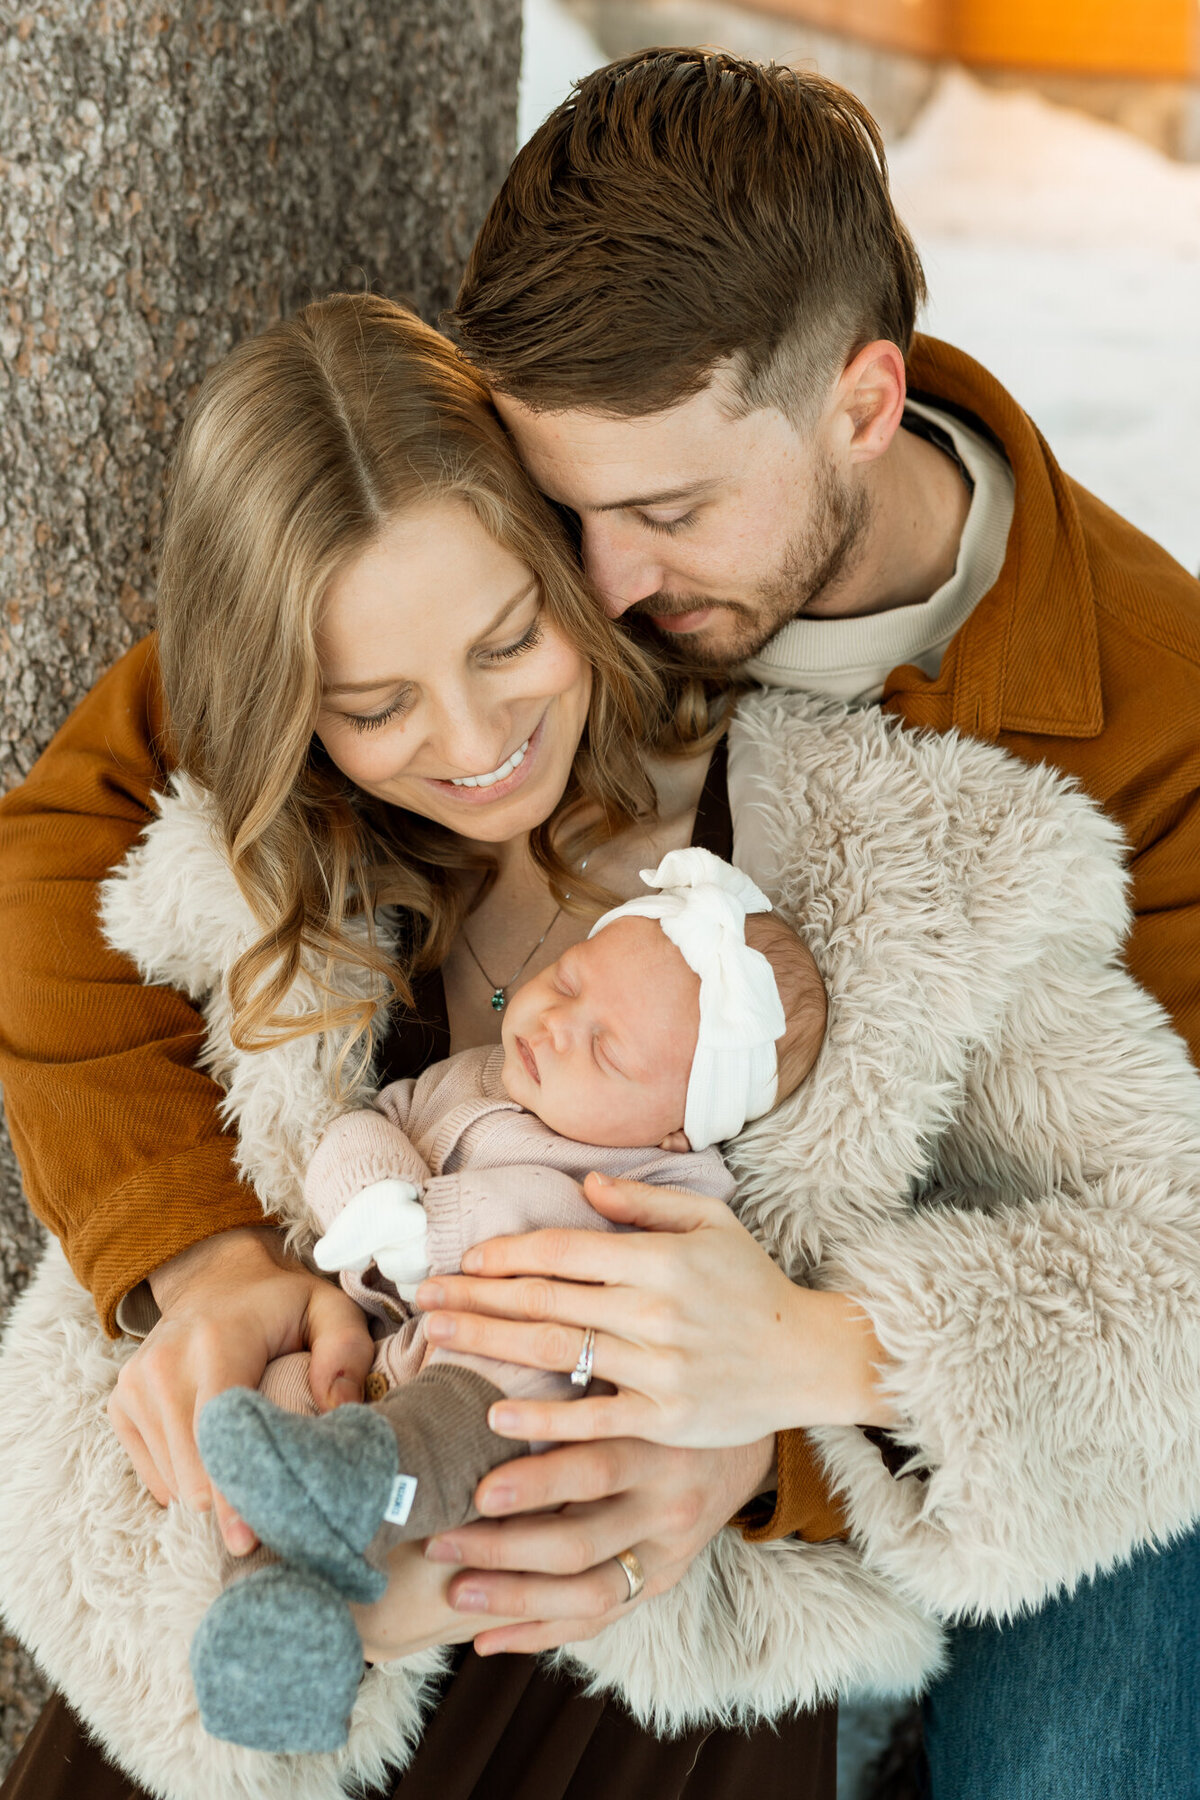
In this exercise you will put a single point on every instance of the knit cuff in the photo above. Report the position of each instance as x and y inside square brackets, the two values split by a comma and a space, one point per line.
[805, 1503]
[358, 1149]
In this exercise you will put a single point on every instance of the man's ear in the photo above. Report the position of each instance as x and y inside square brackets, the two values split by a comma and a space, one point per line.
[869, 400]
[675, 1140]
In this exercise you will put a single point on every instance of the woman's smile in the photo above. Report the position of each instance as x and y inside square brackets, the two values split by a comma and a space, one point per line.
[482, 790]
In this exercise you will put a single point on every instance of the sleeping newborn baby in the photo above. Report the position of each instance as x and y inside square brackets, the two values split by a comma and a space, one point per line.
[686, 1014]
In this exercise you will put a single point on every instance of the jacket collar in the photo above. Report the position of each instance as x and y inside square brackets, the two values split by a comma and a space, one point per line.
[1027, 660]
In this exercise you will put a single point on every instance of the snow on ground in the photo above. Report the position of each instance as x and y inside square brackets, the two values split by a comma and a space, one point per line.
[1065, 255]
[555, 51]
[1006, 164]
[1061, 252]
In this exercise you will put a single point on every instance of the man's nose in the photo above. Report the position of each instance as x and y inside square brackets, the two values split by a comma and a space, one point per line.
[621, 569]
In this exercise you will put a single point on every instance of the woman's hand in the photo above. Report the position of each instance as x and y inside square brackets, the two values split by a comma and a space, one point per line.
[229, 1306]
[554, 1571]
[703, 1336]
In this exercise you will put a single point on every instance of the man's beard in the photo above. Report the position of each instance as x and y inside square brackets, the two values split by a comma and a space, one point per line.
[833, 541]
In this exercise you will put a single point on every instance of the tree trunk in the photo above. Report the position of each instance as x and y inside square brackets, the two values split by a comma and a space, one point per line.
[173, 176]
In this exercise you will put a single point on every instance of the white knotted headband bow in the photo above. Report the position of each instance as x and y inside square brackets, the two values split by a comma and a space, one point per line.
[702, 908]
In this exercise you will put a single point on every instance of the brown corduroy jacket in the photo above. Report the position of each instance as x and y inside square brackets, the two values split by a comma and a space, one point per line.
[1085, 654]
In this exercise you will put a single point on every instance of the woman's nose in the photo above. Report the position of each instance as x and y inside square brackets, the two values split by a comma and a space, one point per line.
[470, 745]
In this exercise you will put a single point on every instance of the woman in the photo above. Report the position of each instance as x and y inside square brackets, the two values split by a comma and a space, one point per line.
[969, 913]
[476, 763]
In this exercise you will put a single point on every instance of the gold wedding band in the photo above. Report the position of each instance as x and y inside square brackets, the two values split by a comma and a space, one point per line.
[581, 1374]
[635, 1575]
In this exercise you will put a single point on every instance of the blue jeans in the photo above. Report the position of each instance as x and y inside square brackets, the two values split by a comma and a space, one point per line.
[1095, 1697]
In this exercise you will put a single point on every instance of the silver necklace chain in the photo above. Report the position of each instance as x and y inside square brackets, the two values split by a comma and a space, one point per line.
[500, 988]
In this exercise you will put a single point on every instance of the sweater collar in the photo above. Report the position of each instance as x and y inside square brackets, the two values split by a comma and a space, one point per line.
[1027, 660]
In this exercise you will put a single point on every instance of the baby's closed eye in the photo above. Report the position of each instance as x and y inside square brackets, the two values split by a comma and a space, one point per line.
[605, 1060]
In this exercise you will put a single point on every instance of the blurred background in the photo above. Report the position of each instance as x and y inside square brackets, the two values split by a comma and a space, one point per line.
[1045, 155]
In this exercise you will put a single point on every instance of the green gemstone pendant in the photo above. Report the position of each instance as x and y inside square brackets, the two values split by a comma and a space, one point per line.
[498, 1000]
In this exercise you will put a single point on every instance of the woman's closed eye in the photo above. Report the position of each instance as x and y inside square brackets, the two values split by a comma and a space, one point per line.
[528, 641]
[395, 709]
[403, 703]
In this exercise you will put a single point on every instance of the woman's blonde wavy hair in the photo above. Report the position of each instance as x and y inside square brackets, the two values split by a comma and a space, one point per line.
[301, 445]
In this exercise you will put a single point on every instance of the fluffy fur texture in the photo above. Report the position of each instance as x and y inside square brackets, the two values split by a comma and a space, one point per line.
[998, 1150]
[175, 909]
[107, 1589]
[998, 1153]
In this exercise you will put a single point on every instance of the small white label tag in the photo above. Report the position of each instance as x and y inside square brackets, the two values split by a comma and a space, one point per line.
[404, 1492]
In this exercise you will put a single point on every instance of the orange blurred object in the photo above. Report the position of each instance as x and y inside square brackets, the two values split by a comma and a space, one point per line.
[1153, 38]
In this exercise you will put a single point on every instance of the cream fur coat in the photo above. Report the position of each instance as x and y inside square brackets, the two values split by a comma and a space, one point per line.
[998, 1152]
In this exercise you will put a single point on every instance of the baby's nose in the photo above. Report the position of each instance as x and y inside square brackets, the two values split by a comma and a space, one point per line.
[556, 1025]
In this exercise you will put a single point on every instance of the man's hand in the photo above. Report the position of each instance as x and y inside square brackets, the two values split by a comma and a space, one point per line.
[556, 1568]
[229, 1306]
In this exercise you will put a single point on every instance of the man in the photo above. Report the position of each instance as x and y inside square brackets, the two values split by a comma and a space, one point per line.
[695, 305]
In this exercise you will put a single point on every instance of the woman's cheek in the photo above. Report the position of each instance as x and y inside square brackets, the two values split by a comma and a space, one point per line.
[369, 759]
[562, 670]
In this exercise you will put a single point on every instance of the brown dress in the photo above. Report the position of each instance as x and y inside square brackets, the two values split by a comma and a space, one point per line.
[507, 1728]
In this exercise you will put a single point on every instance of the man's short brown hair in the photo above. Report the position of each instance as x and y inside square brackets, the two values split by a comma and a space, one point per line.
[680, 208]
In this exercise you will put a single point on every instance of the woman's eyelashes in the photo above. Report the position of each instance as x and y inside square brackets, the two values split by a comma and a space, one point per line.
[531, 638]
[372, 721]
[403, 701]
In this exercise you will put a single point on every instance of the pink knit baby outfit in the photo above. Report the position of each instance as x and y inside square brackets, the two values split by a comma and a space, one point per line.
[486, 1168]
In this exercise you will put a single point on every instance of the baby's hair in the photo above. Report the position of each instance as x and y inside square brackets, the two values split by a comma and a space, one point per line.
[800, 989]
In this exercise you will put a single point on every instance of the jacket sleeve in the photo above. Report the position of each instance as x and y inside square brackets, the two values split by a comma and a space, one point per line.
[357, 1150]
[1042, 1316]
[116, 1131]
[805, 1503]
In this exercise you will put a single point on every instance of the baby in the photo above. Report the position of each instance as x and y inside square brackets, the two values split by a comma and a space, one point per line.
[685, 1014]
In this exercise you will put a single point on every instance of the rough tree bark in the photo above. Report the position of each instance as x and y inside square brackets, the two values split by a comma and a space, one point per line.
[173, 175]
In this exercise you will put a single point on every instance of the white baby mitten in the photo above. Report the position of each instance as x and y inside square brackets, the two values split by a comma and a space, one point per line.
[386, 1225]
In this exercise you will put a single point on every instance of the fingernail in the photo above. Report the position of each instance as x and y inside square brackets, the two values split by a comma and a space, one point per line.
[239, 1537]
[470, 1599]
[343, 1391]
[443, 1550]
[430, 1295]
[497, 1499]
[472, 1261]
[601, 1180]
[503, 1418]
[441, 1328]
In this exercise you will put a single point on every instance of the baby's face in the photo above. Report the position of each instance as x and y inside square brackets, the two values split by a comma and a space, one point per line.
[600, 1044]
